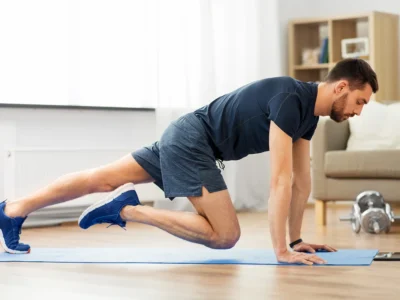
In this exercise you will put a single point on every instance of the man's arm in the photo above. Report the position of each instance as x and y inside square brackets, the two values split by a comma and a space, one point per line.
[280, 187]
[301, 187]
[284, 112]
[279, 202]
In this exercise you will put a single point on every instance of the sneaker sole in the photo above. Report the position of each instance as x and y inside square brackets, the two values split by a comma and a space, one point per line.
[3, 243]
[122, 189]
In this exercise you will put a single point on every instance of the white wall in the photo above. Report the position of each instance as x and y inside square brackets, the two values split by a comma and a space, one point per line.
[331, 8]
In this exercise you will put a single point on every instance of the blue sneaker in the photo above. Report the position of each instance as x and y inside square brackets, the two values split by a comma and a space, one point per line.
[10, 229]
[108, 210]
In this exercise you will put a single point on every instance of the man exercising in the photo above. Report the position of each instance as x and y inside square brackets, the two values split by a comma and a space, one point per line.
[275, 114]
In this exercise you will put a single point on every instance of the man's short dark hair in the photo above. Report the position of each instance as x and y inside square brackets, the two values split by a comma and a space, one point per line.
[356, 71]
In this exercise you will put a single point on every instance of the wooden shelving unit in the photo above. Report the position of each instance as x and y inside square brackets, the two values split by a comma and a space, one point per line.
[381, 29]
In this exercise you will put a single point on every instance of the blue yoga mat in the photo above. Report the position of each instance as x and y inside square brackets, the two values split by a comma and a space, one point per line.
[345, 257]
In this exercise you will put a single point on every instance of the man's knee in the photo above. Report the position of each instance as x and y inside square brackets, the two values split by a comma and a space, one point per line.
[225, 240]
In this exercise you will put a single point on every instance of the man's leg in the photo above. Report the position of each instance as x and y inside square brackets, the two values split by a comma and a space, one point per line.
[71, 186]
[215, 226]
[102, 179]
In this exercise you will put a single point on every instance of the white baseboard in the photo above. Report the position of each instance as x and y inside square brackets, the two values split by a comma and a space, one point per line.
[51, 216]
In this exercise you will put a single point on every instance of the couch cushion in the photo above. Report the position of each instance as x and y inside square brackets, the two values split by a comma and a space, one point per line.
[381, 164]
[376, 127]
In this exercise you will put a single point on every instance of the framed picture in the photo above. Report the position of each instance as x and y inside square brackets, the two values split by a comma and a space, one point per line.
[355, 47]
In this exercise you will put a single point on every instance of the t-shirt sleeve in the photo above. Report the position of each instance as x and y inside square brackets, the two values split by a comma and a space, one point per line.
[309, 134]
[284, 110]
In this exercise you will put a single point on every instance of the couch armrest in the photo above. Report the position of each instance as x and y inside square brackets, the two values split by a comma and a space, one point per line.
[328, 136]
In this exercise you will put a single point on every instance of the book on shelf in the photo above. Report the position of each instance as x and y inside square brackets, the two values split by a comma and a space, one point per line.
[324, 56]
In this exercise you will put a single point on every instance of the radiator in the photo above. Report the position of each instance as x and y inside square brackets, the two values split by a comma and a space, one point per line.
[28, 169]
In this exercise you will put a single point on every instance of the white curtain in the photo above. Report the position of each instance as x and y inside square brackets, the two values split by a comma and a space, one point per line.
[206, 49]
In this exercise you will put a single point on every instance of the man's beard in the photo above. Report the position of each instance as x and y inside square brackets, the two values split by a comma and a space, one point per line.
[337, 112]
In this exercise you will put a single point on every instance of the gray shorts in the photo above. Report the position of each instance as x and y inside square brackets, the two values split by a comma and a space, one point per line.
[183, 160]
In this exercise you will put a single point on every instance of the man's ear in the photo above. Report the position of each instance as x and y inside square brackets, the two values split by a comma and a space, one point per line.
[340, 86]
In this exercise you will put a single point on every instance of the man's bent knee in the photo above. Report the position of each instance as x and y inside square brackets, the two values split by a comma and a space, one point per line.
[224, 241]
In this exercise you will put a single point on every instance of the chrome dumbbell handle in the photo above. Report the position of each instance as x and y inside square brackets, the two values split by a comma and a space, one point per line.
[355, 223]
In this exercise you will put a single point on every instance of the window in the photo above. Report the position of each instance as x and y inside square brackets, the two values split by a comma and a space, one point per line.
[89, 52]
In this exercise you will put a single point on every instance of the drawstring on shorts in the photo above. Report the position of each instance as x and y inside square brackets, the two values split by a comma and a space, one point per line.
[221, 164]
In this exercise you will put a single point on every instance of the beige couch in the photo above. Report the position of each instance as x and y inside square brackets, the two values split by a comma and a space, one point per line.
[340, 175]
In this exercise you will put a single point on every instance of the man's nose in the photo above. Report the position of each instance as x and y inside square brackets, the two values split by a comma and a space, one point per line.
[357, 112]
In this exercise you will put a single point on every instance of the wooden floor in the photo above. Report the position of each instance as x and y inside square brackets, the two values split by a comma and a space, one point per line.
[129, 281]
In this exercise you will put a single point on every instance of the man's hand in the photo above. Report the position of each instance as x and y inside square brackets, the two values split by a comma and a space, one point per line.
[312, 248]
[300, 258]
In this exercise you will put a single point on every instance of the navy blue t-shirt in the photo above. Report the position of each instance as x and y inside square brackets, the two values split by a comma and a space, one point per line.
[238, 123]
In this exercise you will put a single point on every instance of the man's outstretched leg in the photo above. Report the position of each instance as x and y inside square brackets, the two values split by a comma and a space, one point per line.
[215, 226]
[71, 186]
